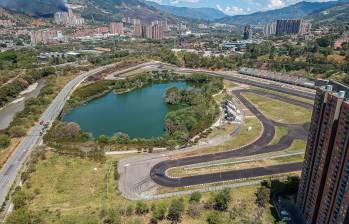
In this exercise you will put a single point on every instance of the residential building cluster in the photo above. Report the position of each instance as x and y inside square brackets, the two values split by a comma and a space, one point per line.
[153, 31]
[68, 18]
[6, 23]
[47, 36]
[287, 27]
[323, 195]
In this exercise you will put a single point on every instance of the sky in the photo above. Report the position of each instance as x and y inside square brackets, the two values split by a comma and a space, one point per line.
[234, 7]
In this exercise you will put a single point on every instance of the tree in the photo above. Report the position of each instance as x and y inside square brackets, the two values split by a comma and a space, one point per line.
[195, 197]
[103, 139]
[141, 208]
[173, 96]
[4, 141]
[263, 196]
[214, 218]
[120, 138]
[221, 200]
[175, 210]
[324, 41]
[17, 131]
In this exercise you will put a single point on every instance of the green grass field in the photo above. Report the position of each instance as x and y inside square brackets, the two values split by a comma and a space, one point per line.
[243, 137]
[279, 111]
[72, 190]
[279, 133]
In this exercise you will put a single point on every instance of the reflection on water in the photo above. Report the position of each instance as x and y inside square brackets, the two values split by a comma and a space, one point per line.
[139, 113]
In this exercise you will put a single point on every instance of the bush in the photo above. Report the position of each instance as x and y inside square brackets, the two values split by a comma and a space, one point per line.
[129, 210]
[17, 131]
[221, 200]
[194, 210]
[159, 212]
[103, 139]
[175, 210]
[121, 138]
[195, 197]
[23, 215]
[4, 141]
[214, 218]
[263, 196]
[141, 208]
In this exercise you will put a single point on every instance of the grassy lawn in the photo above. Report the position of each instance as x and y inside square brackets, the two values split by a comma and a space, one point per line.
[243, 137]
[279, 111]
[72, 190]
[279, 133]
[305, 100]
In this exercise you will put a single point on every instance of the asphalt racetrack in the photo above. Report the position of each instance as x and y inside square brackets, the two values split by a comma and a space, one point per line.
[158, 172]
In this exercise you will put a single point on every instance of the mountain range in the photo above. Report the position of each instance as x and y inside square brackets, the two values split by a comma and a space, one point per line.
[297, 11]
[189, 13]
[114, 10]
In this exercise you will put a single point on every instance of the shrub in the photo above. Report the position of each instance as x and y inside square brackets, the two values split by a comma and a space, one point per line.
[195, 197]
[17, 131]
[141, 208]
[221, 200]
[175, 210]
[4, 141]
[214, 218]
[159, 212]
[263, 195]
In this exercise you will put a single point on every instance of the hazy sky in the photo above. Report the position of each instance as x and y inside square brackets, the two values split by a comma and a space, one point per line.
[233, 7]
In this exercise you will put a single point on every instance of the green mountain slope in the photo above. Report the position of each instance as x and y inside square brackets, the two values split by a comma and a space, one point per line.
[106, 10]
[296, 11]
[337, 14]
[190, 13]
[34, 7]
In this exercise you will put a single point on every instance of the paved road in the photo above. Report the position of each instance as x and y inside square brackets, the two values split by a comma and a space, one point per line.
[157, 173]
[9, 172]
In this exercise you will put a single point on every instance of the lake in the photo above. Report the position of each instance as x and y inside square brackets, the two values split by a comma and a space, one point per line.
[139, 113]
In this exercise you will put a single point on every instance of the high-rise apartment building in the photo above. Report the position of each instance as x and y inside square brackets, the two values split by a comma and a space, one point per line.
[292, 27]
[247, 33]
[68, 18]
[269, 29]
[116, 28]
[137, 30]
[323, 195]
[46, 36]
[157, 32]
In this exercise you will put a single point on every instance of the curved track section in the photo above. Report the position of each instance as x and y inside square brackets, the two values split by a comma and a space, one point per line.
[158, 172]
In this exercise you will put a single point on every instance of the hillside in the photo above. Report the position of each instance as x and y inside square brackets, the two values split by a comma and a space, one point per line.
[106, 10]
[34, 7]
[296, 11]
[337, 14]
[19, 18]
[190, 13]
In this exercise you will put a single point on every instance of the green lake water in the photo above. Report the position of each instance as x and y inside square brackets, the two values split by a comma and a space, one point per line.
[139, 113]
